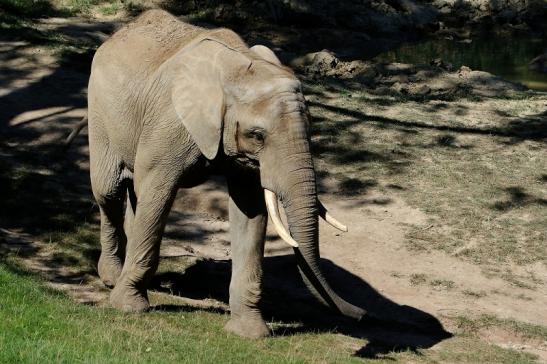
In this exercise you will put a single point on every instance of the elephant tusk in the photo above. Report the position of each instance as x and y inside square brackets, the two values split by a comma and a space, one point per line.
[273, 211]
[328, 217]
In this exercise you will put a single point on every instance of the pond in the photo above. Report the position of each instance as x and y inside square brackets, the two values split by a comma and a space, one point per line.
[504, 56]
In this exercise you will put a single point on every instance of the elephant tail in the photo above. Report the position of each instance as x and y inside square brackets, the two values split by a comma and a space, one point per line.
[75, 131]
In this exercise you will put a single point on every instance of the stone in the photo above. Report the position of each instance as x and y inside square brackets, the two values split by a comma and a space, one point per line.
[325, 59]
[464, 70]
[382, 90]
[400, 88]
[402, 78]
[438, 62]
[539, 63]
[396, 68]
[420, 90]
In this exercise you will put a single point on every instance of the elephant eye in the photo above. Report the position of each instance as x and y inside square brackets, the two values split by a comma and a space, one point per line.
[257, 135]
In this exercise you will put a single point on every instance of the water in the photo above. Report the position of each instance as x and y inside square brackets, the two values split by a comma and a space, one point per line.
[504, 56]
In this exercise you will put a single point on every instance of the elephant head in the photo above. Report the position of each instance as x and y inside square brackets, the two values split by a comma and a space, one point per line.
[247, 103]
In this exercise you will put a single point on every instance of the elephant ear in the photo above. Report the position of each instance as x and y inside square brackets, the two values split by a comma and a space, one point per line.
[198, 96]
[266, 53]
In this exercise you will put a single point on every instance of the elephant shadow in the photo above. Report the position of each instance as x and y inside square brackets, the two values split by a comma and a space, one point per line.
[387, 327]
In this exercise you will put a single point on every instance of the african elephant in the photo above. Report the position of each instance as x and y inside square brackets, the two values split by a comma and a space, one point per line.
[170, 104]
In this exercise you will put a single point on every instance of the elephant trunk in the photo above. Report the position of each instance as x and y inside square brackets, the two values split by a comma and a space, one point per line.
[299, 199]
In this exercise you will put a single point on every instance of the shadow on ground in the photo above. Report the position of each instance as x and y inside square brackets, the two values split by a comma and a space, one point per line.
[44, 190]
[387, 327]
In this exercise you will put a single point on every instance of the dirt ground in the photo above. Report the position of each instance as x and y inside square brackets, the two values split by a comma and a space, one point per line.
[372, 264]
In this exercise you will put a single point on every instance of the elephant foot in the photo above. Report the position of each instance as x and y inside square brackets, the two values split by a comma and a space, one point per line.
[253, 328]
[128, 299]
[110, 269]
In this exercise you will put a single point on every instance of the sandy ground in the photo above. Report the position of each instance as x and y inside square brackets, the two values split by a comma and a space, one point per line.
[39, 103]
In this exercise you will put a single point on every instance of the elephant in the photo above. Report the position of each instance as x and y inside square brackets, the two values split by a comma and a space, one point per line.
[170, 104]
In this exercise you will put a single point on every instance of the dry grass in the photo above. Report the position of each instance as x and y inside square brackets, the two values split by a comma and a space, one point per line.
[477, 168]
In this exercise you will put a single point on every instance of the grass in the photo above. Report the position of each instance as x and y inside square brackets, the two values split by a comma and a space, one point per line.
[469, 351]
[39, 324]
[42, 325]
[417, 279]
[32, 8]
[18, 21]
[485, 322]
[484, 193]
[474, 294]
[445, 284]
[477, 175]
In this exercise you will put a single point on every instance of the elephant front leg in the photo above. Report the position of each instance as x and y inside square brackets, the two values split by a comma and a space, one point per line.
[248, 219]
[143, 245]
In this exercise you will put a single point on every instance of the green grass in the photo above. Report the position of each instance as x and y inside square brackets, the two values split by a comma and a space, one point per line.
[81, 6]
[110, 8]
[485, 195]
[18, 21]
[32, 8]
[38, 324]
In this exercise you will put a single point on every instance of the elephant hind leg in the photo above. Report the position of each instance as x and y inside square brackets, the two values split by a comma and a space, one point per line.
[109, 190]
[155, 193]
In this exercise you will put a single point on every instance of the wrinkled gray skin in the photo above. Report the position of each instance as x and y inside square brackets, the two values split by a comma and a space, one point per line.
[169, 104]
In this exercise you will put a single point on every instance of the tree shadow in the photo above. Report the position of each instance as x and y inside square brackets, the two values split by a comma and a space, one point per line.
[387, 327]
[353, 30]
[44, 189]
[533, 127]
[527, 128]
[518, 197]
[31, 9]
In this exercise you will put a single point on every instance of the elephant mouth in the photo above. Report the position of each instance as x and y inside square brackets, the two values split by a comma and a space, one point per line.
[247, 161]
[273, 210]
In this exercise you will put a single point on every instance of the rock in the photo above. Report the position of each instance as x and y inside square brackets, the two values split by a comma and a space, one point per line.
[382, 90]
[318, 63]
[464, 70]
[324, 60]
[484, 7]
[366, 76]
[396, 68]
[325, 63]
[438, 62]
[422, 75]
[352, 66]
[521, 27]
[507, 15]
[324, 57]
[402, 78]
[539, 63]
[300, 63]
[400, 88]
[367, 71]
[420, 90]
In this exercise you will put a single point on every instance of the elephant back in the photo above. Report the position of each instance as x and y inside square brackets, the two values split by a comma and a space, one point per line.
[144, 44]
